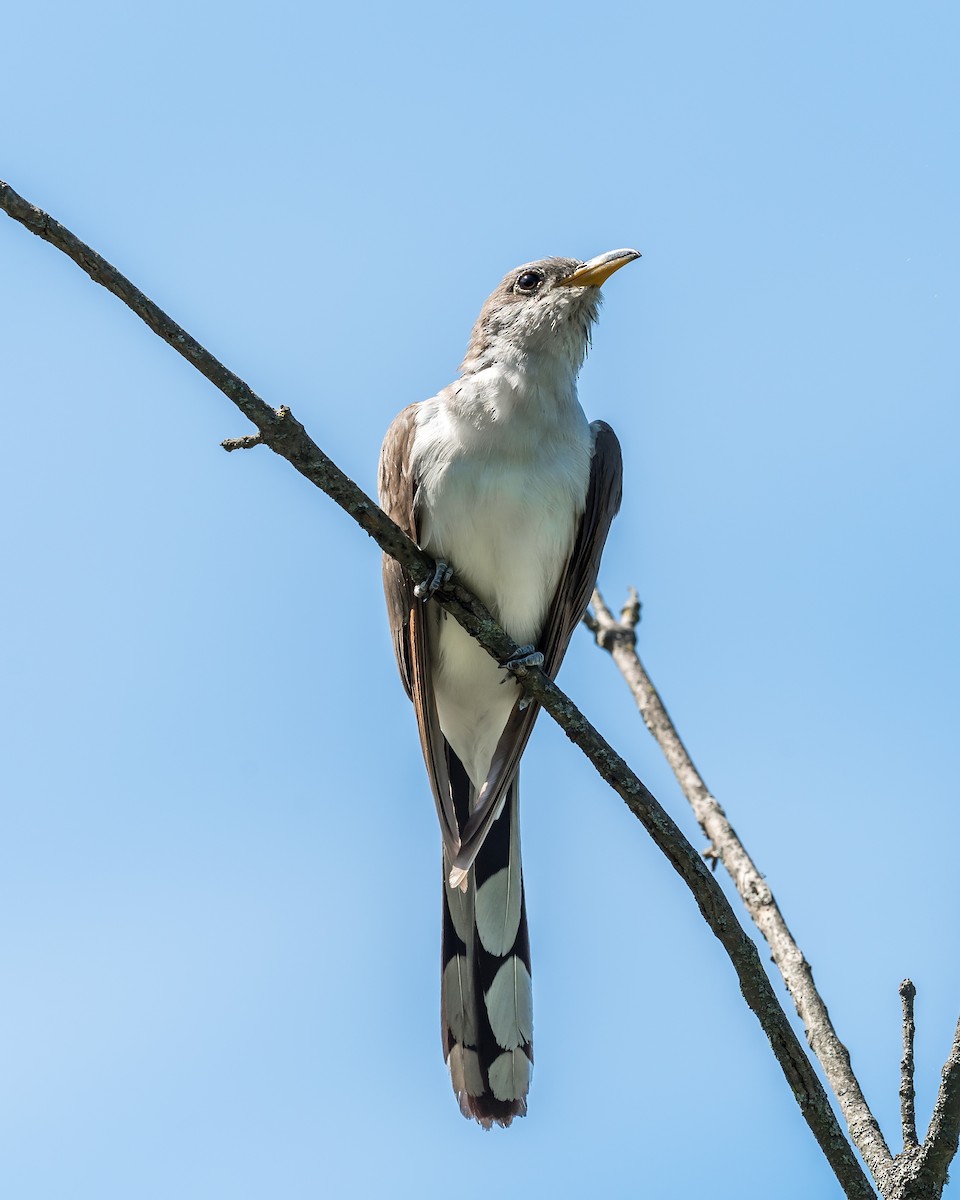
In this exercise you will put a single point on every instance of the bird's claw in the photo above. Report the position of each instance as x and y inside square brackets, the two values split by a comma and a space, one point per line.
[423, 591]
[526, 656]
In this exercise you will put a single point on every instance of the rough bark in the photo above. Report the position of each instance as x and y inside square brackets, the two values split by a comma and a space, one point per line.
[918, 1173]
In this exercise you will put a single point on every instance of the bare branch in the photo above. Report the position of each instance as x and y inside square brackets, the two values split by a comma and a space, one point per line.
[919, 1172]
[943, 1136]
[630, 613]
[908, 1116]
[620, 640]
[247, 442]
[280, 430]
[591, 622]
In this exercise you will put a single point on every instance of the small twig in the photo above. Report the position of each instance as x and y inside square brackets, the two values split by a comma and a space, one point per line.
[247, 442]
[591, 622]
[630, 613]
[908, 1116]
[711, 856]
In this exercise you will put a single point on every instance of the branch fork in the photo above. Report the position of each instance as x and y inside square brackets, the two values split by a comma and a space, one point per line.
[918, 1172]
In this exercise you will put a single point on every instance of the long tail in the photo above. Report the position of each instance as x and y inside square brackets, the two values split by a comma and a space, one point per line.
[486, 1001]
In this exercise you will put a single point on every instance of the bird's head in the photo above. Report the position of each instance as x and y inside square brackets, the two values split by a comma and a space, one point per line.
[543, 308]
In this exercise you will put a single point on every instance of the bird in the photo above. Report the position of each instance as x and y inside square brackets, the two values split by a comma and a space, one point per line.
[502, 480]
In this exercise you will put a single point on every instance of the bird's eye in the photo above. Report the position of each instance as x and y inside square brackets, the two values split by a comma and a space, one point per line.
[529, 281]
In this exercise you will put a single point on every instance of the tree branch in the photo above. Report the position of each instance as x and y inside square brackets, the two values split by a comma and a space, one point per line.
[908, 1115]
[286, 436]
[943, 1137]
[619, 639]
[914, 1173]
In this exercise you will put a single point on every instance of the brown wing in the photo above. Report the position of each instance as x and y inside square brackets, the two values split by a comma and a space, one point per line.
[397, 487]
[579, 578]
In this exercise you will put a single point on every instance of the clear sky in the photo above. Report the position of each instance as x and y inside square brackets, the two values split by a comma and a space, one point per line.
[219, 875]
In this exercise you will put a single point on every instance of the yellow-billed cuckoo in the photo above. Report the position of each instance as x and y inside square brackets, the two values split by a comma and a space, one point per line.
[503, 481]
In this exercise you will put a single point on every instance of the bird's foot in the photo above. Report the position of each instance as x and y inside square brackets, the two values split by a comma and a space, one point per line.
[423, 591]
[526, 656]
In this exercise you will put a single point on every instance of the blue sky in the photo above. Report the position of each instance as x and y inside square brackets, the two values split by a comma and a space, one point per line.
[219, 883]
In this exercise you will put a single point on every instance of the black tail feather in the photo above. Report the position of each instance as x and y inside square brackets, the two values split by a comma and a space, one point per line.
[489, 1067]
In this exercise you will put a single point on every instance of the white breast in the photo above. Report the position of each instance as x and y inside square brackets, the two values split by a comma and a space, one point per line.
[502, 477]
